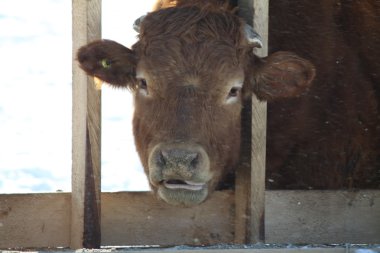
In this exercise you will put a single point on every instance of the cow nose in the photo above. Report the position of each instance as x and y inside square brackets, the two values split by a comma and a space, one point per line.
[179, 158]
[179, 162]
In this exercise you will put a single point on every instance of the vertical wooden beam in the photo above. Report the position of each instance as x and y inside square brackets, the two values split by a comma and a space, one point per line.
[243, 179]
[85, 201]
[250, 179]
[260, 24]
[259, 126]
[243, 172]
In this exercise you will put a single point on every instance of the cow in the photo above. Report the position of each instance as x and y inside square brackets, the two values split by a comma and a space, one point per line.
[190, 71]
[329, 138]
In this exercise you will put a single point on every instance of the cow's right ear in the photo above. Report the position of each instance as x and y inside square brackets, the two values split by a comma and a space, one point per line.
[281, 75]
[109, 61]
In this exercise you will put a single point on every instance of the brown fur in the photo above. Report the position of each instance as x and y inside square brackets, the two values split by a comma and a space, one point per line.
[186, 71]
[223, 5]
[329, 138]
[187, 91]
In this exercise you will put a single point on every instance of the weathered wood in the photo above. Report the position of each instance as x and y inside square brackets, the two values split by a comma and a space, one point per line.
[242, 205]
[267, 249]
[128, 218]
[338, 249]
[34, 220]
[243, 178]
[243, 171]
[141, 219]
[85, 215]
[250, 191]
[323, 217]
[259, 128]
[260, 24]
[257, 203]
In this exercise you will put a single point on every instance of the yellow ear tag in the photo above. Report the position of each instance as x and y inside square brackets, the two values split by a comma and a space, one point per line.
[98, 83]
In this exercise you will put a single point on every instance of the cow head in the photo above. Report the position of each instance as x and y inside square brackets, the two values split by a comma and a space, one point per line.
[189, 73]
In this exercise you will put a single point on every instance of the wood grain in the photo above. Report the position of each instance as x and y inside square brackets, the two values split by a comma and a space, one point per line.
[323, 217]
[34, 220]
[85, 215]
[135, 218]
[141, 219]
[250, 186]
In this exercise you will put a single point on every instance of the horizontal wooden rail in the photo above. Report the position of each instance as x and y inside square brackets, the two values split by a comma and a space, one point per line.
[227, 249]
[137, 218]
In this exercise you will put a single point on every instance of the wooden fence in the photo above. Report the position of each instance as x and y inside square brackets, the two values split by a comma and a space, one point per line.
[88, 218]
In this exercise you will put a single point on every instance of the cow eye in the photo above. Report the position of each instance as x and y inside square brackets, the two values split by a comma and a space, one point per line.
[142, 84]
[234, 92]
[233, 95]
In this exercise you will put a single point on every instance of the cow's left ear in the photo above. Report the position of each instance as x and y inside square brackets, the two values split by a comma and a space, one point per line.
[280, 75]
[109, 61]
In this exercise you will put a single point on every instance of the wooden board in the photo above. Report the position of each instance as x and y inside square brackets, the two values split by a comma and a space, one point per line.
[140, 219]
[337, 249]
[34, 220]
[259, 131]
[85, 223]
[250, 191]
[267, 250]
[43, 220]
[323, 217]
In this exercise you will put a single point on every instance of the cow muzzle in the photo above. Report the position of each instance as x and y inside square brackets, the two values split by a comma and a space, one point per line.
[180, 173]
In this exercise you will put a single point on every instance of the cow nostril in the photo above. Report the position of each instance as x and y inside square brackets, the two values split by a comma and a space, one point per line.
[194, 162]
[164, 155]
[161, 159]
[178, 156]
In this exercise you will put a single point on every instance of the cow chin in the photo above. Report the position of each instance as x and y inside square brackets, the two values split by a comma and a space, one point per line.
[182, 197]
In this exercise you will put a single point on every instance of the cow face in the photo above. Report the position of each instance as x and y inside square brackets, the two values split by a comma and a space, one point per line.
[189, 72]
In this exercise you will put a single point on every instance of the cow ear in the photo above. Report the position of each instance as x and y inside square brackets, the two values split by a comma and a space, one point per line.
[281, 75]
[109, 61]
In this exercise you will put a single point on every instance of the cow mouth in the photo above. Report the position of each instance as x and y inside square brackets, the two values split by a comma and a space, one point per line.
[183, 184]
[182, 192]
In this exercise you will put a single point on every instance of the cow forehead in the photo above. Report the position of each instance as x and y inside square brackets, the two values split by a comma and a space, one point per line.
[189, 45]
[190, 70]
[173, 53]
[190, 31]
[192, 23]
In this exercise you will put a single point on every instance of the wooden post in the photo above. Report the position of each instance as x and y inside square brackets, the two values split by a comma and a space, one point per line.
[259, 127]
[85, 201]
[250, 184]
[243, 172]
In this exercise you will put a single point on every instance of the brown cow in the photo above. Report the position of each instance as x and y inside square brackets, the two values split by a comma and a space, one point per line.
[330, 137]
[189, 72]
